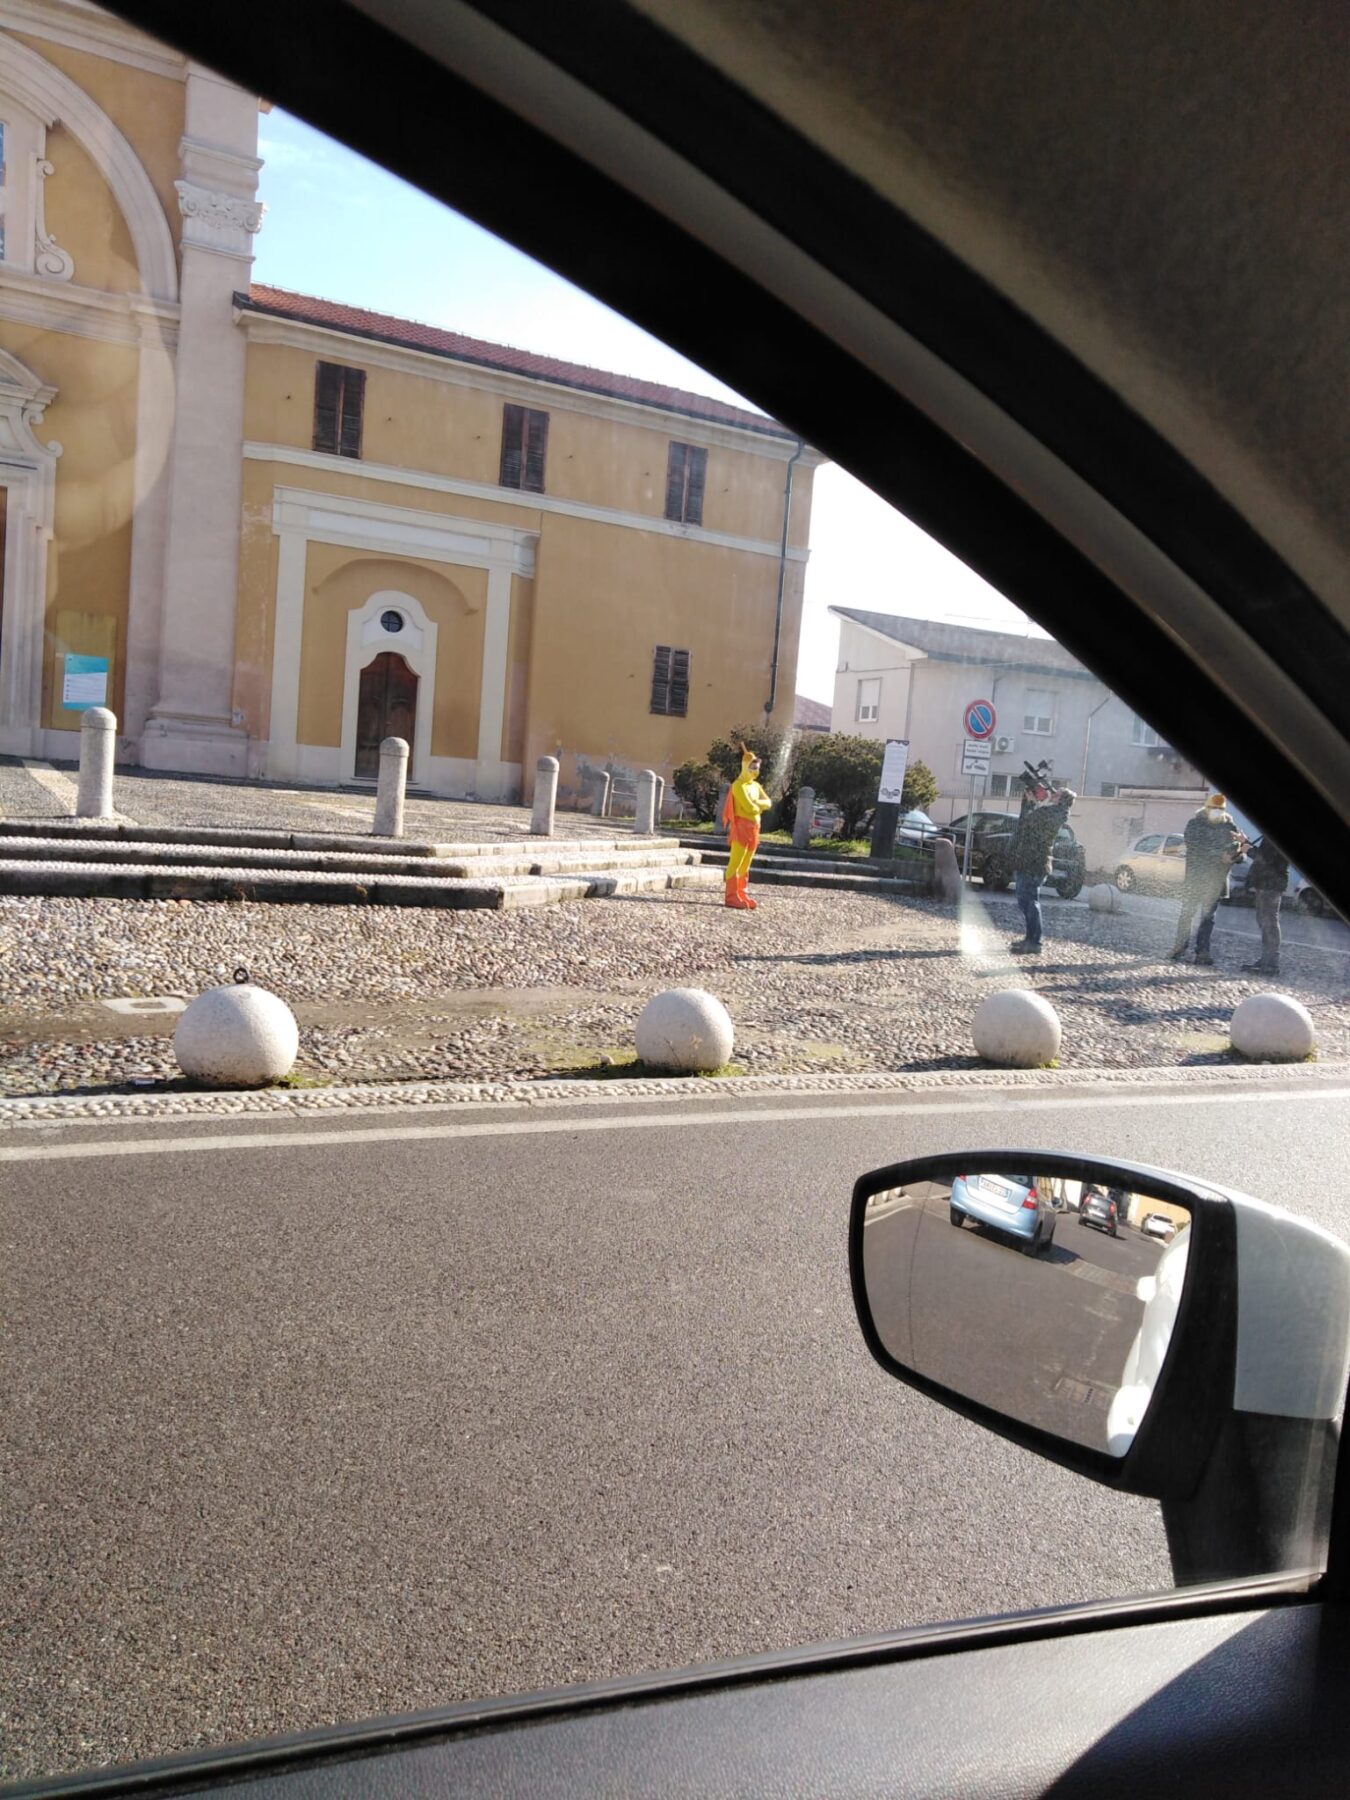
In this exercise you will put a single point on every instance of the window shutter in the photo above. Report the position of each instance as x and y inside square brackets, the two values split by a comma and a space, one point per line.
[327, 393]
[353, 409]
[661, 679]
[679, 682]
[536, 450]
[696, 463]
[513, 430]
[675, 482]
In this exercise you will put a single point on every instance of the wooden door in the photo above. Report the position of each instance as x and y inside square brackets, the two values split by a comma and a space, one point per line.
[385, 707]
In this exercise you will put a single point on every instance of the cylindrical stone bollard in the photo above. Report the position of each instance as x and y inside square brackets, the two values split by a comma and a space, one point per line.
[644, 817]
[719, 823]
[393, 781]
[545, 796]
[600, 808]
[98, 742]
[806, 813]
[660, 797]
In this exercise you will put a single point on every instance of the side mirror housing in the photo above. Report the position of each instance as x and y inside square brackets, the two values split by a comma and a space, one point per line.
[1154, 1333]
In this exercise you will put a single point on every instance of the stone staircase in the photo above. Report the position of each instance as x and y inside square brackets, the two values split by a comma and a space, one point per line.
[777, 865]
[112, 859]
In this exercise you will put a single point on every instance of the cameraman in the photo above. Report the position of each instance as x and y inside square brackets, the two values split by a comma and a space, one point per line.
[1045, 809]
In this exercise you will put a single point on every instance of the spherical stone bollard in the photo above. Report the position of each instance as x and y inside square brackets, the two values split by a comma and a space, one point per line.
[1273, 1028]
[685, 1028]
[1016, 1029]
[1105, 898]
[237, 1036]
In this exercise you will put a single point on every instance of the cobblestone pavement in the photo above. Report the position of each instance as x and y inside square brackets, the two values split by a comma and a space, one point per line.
[47, 791]
[816, 983]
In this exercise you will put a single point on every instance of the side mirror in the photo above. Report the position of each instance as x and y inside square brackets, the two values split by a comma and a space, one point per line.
[1153, 1333]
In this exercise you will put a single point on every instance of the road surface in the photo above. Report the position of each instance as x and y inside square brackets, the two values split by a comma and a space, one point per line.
[310, 1420]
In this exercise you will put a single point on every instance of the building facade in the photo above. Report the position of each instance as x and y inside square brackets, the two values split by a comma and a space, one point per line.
[912, 678]
[269, 530]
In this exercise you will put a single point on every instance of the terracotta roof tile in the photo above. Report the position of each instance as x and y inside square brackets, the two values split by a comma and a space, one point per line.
[361, 322]
[811, 715]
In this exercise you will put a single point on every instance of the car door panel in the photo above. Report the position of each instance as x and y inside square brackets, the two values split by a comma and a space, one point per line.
[1246, 1703]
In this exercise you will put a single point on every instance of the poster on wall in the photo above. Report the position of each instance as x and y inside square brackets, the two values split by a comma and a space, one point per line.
[84, 682]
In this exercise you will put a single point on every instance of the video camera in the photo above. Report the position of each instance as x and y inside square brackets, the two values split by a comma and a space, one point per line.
[1038, 783]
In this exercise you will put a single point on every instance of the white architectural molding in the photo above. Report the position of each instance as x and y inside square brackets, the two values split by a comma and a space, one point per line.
[81, 26]
[531, 390]
[52, 95]
[301, 516]
[425, 482]
[417, 646]
[81, 311]
[213, 220]
[49, 259]
[28, 473]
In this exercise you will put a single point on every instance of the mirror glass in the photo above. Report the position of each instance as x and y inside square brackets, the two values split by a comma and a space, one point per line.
[1049, 1299]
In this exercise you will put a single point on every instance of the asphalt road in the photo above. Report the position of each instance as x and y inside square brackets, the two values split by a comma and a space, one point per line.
[1043, 1338]
[1239, 921]
[319, 1420]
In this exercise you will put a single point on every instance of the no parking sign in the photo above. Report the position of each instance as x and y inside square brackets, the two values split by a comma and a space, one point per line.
[979, 718]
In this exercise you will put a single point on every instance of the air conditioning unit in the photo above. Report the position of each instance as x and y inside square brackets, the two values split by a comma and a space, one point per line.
[1002, 745]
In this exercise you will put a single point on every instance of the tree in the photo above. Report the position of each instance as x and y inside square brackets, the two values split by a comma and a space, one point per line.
[698, 785]
[920, 789]
[770, 743]
[845, 771]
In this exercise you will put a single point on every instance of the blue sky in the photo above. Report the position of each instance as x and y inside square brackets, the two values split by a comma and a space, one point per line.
[342, 228]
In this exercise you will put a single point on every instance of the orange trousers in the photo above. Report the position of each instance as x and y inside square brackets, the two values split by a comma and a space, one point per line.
[744, 843]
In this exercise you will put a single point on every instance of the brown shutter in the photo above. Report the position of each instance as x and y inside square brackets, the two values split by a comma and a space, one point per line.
[661, 679]
[327, 399]
[679, 683]
[536, 450]
[513, 432]
[675, 482]
[696, 466]
[353, 411]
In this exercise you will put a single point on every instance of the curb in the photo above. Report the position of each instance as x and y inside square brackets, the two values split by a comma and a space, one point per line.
[48, 1110]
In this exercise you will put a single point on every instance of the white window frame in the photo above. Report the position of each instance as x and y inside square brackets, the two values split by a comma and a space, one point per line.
[1143, 734]
[1039, 724]
[869, 711]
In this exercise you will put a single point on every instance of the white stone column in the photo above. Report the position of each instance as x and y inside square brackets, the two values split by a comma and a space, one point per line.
[545, 796]
[489, 780]
[392, 787]
[805, 816]
[288, 622]
[644, 819]
[191, 726]
[600, 805]
[98, 740]
[155, 391]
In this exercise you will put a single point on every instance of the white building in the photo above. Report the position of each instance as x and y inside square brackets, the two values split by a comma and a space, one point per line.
[913, 678]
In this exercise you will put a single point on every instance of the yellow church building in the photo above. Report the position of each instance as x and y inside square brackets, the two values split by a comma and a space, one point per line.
[270, 530]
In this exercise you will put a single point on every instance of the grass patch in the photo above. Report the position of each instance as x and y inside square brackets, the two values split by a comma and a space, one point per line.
[631, 1068]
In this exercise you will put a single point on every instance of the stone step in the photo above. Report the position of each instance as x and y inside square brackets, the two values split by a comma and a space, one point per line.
[775, 863]
[126, 831]
[307, 886]
[544, 858]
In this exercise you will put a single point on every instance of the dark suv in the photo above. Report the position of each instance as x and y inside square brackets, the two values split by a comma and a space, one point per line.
[991, 852]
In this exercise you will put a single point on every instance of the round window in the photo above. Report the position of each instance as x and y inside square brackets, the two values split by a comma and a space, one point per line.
[392, 622]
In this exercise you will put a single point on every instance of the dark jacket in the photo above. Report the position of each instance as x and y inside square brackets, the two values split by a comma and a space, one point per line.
[1213, 843]
[1270, 869]
[1033, 846]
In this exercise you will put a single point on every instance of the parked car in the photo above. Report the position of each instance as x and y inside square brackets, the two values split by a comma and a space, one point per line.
[1299, 892]
[1007, 1203]
[991, 852]
[916, 827]
[1101, 1213]
[1157, 861]
[1158, 1225]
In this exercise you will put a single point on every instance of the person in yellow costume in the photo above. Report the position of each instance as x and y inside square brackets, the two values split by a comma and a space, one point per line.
[745, 801]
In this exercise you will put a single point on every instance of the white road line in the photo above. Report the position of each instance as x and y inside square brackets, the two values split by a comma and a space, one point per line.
[784, 1115]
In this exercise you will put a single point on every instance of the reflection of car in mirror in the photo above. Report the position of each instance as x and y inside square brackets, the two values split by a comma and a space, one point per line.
[1010, 1204]
[1099, 1211]
[1158, 1225]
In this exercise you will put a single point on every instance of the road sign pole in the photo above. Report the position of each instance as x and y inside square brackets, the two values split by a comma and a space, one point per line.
[979, 719]
[970, 832]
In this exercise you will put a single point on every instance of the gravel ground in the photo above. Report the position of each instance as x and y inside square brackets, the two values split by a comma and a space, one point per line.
[817, 983]
[39, 792]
